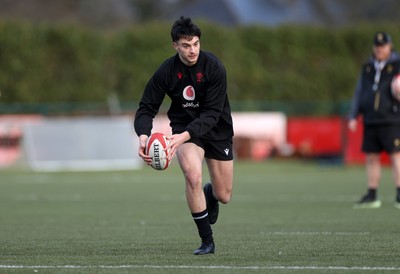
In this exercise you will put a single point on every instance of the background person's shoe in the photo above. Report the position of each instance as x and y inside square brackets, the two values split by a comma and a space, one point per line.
[367, 202]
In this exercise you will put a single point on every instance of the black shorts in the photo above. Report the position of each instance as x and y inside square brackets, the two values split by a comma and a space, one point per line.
[378, 138]
[217, 150]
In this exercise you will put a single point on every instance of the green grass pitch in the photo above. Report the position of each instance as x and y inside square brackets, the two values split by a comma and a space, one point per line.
[285, 217]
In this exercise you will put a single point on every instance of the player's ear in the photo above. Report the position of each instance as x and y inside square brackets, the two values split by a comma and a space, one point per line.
[175, 45]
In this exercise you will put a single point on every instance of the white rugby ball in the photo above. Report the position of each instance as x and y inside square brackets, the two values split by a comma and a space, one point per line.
[156, 149]
[396, 87]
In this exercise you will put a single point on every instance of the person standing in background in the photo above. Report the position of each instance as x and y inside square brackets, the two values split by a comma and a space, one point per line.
[381, 116]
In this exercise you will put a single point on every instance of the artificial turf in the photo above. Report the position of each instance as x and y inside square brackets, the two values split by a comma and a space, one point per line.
[284, 217]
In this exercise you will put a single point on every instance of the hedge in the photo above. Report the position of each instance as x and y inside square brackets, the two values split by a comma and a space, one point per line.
[61, 63]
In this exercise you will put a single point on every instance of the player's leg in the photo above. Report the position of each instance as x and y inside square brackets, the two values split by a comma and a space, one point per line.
[372, 146]
[373, 168]
[190, 157]
[395, 157]
[219, 158]
[221, 175]
[220, 188]
[389, 137]
[396, 168]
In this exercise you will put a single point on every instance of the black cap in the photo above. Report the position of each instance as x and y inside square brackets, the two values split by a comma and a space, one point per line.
[382, 38]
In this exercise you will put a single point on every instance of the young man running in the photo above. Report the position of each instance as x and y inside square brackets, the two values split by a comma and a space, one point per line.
[201, 123]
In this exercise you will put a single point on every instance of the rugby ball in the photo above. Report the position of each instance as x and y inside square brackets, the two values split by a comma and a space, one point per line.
[156, 149]
[396, 87]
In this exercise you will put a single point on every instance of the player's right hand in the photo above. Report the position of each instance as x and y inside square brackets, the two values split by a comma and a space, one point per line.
[352, 125]
[142, 148]
[175, 141]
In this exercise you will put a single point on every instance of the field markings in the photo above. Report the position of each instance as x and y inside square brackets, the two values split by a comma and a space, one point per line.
[229, 267]
[316, 233]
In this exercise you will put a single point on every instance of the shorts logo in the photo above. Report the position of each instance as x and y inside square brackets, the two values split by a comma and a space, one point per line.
[226, 150]
[189, 93]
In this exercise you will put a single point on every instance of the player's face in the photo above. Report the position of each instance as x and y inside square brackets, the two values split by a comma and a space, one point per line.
[188, 49]
[382, 52]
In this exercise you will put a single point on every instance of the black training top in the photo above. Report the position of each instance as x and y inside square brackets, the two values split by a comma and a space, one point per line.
[199, 102]
[372, 97]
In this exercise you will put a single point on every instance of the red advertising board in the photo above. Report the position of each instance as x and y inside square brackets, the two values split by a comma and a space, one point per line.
[316, 136]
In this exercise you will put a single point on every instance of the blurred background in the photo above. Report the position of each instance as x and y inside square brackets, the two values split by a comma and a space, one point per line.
[72, 73]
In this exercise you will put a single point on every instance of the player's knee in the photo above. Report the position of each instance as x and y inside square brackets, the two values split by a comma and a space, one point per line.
[193, 179]
[224, 196]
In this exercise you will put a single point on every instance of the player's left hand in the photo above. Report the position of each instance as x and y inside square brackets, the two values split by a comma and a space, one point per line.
[175, 141]
[142, 147]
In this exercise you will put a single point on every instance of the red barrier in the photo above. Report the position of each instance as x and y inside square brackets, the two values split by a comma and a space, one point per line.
[312, 136]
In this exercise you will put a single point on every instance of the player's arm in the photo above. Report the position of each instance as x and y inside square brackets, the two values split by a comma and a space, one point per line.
[149, 105]
[355, 106]
[213, 104]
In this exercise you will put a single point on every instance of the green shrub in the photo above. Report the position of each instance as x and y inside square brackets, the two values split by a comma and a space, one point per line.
[46, 63]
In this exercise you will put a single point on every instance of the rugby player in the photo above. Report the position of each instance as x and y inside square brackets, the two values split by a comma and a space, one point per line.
[201, 122]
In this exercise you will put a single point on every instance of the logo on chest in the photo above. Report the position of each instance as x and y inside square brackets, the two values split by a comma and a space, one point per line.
[189, 93]
[199, 77]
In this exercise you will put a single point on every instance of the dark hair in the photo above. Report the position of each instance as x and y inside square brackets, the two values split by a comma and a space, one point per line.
[184, 28]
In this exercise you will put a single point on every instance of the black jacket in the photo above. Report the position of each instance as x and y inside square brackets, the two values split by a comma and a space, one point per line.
[377, 105]
[199, 101]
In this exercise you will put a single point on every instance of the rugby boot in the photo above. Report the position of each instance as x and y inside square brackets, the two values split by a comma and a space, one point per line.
[205, 248]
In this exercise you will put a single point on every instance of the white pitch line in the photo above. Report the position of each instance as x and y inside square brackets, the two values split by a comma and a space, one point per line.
[345, 268]
[324, 233]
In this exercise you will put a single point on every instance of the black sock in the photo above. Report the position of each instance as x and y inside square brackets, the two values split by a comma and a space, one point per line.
[203, 225]
[398, 193]
[372, 193]
[210, 196]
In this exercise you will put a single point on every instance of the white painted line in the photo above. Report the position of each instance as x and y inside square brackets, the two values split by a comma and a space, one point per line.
[345, 268]
[323, 233]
